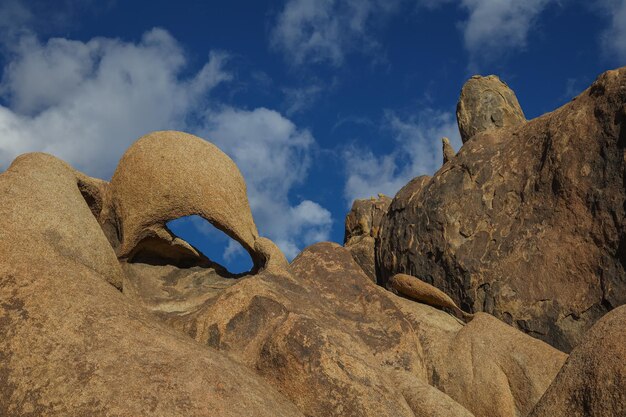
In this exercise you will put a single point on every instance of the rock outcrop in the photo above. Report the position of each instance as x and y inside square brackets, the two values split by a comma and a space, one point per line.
[527, 221]
[376, 354]
[105, 312]
[416, 289]
[448, 150]
[167, 175]
[487, 103]
[71, 343]
[592, 383]
[361, 230]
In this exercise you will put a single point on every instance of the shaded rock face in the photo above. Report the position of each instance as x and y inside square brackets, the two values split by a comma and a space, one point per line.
[526, 222]
[592, 381]
[486, 103]
[361, 230]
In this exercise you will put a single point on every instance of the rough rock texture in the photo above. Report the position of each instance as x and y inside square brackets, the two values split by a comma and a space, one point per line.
[416, 289]
[71, 343]
[486, 103]
[361, 230]
[448, 150]
[167, 175]
[592, 383]
[527, 222]
[336, 344]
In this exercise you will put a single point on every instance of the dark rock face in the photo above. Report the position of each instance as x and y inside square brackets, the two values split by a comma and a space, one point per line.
[361, 230]
[487, 103]
[526, 222]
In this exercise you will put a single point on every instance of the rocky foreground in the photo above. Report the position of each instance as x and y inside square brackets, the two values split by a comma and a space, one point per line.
[491, 289]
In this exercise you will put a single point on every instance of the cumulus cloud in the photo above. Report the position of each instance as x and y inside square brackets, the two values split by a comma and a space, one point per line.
[86, 102]
[273, 155]
[494, 27]
[325, 31]
[417, 151]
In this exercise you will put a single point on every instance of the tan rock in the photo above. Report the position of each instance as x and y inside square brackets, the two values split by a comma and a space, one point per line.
[336, 344]
[71, 343]
[486, 103]
[167, 175]
[420, 291]
[361, 230]
[448, 150]
[592, 383]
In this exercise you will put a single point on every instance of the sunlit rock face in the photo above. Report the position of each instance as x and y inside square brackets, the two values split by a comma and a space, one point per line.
[104, 311]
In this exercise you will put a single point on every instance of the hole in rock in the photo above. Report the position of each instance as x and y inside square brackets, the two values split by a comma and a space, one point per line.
[213, 243]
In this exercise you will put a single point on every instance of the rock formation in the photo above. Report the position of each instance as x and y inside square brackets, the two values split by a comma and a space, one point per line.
[104, 311]
[418, 290]
[361, 230]
[527, 222]
[167, 175]
[448, 150]
[71, 343]
[487, 103]
[592, 381]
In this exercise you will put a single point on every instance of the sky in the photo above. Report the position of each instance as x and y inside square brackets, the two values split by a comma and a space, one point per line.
[318, 102]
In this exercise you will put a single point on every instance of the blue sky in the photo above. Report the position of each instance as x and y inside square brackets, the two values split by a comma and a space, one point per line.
[319, 102]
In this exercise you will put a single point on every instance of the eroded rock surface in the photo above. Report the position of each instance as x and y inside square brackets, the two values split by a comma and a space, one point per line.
[361, 230]
[592, 383]
[167, 175]
[71, 343]
[526, 222]
[486, 103]
[336, 344]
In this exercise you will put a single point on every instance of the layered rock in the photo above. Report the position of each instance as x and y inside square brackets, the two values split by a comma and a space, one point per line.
[487, 103]
[527, 221]
[361, 230]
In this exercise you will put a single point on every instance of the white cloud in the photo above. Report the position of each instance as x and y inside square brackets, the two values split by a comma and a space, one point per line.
[273, 155]
[324, 31]
[86, 102]
[614, 38]
[417, 151]
[495, 27]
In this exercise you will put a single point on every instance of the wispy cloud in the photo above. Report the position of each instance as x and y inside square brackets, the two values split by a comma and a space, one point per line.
[417, 151]
[495, 27]
[325, 31]
[614, 37]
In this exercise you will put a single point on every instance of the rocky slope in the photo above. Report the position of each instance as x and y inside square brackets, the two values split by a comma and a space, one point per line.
[105, 312]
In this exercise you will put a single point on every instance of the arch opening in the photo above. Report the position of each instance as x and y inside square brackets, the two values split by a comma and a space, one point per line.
[213, 244]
